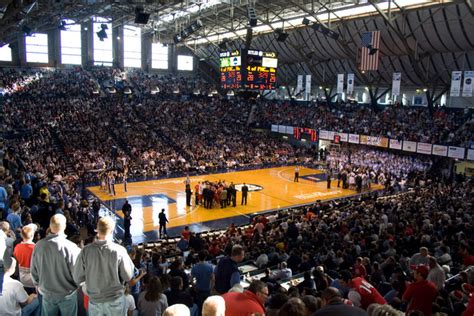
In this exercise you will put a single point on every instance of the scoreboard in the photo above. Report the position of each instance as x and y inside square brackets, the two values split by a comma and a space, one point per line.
[248, 69]
[231, 70]
[261, 70]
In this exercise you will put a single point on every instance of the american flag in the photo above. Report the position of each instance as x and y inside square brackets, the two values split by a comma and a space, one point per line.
[370, 41]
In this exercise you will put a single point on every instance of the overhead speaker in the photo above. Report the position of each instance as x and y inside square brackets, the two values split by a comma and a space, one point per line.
[142, 18]
[252, 16]
[281, 36]
[248, 38]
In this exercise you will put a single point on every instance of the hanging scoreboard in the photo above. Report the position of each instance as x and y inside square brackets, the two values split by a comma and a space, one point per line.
[231, 70]
[248, 69]
[261, 70]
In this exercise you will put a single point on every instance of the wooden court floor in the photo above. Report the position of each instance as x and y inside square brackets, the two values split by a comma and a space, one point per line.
[275, 185]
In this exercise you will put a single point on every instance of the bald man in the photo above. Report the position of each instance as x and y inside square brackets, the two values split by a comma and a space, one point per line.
[52, 264]
[214, 306]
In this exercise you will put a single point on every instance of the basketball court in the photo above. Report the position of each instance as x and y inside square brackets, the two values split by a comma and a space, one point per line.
[269, 189]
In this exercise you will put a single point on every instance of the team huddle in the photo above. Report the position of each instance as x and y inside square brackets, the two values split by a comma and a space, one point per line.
[211, 194]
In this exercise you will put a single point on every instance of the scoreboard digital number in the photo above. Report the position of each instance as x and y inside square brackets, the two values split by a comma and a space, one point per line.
[249, 69]
[261, 70]
[231, 70]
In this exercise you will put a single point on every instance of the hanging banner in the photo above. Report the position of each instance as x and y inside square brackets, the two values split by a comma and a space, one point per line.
[383, 142]
[439, 150]
[424, 148]
[396, 79]
[396, 144]
[350, 84]
[343, 137]
[340, 83]
[409, 146]
[455, 83]
[354, 138]
[331, 135]
[456, 152]
[289, 130]
[274, 128]
[323, 134]
[467, 85]
[470, 154]
[308, 87]
[299, 85]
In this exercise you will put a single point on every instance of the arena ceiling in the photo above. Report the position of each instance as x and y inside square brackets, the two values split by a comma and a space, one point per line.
[425, 40]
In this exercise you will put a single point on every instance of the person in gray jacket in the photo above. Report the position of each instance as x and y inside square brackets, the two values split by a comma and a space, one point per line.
[5, 253]
[52, 264]
[104, 266]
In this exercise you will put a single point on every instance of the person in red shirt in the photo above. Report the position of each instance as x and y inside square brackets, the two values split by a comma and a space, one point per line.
[23, 253]
[186, 233]
[470, 307]
[259, 227]
[250, 302]
[361, 292]
[420, 294]
[465, 253]
[359, 268]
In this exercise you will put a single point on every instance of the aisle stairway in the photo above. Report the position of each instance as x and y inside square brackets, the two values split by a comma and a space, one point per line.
[59, 148]
[162, 136]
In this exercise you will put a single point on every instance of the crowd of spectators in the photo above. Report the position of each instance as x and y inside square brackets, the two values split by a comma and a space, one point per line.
[442, 126]
[157, 134]
[399, 249]
[357, 168]
[370, 255]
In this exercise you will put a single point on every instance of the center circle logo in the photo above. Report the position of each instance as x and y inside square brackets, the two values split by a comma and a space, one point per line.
[252, 187]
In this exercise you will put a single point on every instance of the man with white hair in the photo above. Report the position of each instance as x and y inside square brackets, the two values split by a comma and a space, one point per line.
[420, 258]
[214, 306]
[104, 266]
[177, 310]
[52, 263]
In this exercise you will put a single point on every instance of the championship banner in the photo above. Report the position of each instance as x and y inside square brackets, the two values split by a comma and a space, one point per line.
[340, 83]
[383, 142]
[455, 83]
[467, 85]
[289, 130]
[331, 135]
[308, 87]
[323, 134]
[354, 138]
[282, 129]
[424, 148]
[396, 144]
[343, 136]
[409, 146]
[396, 79]
[275, 128]
[299, 84]
[373, 140]
[350, 84]
[439, 150]
[470, 154]
[456, 152]
[363, 139]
